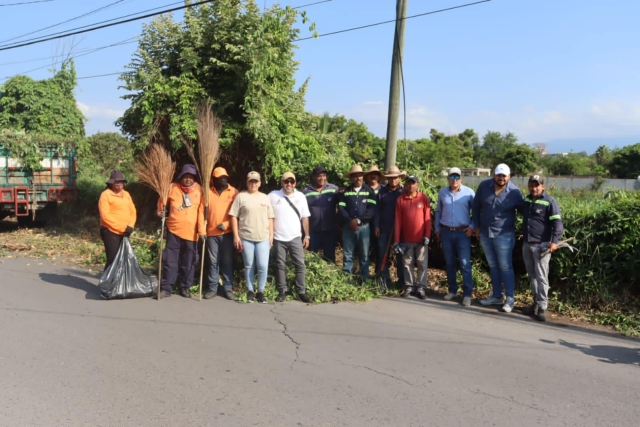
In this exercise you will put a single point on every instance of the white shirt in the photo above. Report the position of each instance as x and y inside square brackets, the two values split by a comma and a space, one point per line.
[286, 225]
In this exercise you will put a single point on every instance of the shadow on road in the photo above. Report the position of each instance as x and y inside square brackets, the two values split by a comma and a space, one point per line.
[605, 353]
[92, 291]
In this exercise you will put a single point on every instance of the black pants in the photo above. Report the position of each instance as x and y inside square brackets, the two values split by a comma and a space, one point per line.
[111, 244]
[178, 262]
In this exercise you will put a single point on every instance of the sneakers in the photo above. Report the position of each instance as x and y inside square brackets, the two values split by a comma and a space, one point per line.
[508, 306]
[210, 294]
[406, 293]
[260, 297]
[542, 315]
[466, 301]
[421, 293]
[250, 297]
[449, 296]
[282, 296]
[304, 298]
[491, 301]
[184, 292]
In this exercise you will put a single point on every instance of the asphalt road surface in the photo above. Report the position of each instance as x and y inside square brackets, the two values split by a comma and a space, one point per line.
[68, 358]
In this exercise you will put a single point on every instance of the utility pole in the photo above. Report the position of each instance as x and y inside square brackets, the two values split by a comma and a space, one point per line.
[396, 79]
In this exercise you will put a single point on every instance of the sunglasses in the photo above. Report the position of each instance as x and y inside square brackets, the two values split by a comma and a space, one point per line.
[290, 181]
[454, 177]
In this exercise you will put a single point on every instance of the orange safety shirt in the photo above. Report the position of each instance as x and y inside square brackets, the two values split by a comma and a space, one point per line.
[185, 222]
[219, 206]
[117, 211]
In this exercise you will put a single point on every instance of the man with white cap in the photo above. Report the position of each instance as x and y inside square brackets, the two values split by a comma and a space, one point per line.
[454, 230]
[494, 217]
[291, 209]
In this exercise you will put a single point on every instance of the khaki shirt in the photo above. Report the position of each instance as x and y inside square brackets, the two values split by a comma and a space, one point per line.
[253, 212]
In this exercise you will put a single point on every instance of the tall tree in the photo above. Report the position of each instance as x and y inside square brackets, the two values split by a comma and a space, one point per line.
[626, 162]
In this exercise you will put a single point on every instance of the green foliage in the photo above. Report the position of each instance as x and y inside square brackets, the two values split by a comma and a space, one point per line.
[493, 147]
[626, 162]
[104, 151]
[521, 158]
[29, 148]
[571, 164]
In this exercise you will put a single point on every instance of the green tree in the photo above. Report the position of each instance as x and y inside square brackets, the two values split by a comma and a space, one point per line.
[626, 162]
[521, 159]
[494, 146]
[105, 151]
[243, 61]
[46, 107]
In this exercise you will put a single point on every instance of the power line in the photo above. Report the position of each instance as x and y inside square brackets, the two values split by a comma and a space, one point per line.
[64, 22]
[394, 20]
[25, 2]
[72, 32]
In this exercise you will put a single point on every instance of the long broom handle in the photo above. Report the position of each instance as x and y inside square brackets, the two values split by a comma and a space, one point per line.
[161, 240]
[204, 248]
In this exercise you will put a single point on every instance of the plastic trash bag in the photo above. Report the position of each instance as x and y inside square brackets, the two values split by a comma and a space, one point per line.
[125, 279]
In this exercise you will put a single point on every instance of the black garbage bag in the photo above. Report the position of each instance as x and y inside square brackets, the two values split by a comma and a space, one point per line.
[125, 279]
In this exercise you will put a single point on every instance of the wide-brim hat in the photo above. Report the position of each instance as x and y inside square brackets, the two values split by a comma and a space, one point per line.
[373, 169]
[116, 176]
[354, 169]
[188, 169]
[394, 172]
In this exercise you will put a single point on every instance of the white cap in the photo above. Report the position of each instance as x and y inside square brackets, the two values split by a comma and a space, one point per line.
[454, 171]
[502, 169]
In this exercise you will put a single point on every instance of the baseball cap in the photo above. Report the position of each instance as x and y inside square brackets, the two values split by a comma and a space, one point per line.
[536, 178]
[288, 175]
[502, 169]
[319, 169]
[253, 175]
[218, 172]
[412, 178]
[455, 171]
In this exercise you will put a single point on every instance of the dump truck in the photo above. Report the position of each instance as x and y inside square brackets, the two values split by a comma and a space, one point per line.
[32, 195]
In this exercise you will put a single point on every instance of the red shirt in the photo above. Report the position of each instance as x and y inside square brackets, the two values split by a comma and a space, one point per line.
[413, 218]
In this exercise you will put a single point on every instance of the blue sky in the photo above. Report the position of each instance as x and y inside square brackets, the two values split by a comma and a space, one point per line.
[564, 72]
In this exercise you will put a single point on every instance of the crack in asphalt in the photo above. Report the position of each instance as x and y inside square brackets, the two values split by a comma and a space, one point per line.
[512, 400]
[379, 373]
[286, 334]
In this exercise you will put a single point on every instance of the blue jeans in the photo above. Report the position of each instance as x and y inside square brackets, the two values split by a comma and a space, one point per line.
[356, 240]
[220, 251]
[383, 241]
[256, 253]
[325, 240]
[456, 247]
[499, 254]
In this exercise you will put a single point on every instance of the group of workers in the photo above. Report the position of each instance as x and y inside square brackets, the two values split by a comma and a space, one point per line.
[376, 219]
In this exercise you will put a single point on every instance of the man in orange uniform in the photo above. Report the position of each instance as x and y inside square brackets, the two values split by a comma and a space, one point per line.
[412, 235]
[185, 222]
[220, 235]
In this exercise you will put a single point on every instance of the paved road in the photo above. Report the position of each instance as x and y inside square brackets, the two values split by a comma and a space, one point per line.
[68, 359]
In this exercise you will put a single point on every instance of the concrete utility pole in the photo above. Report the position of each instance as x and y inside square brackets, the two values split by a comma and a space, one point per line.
[394, 90]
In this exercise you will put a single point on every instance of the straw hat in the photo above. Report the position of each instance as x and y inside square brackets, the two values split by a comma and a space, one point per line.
[373, 169]
[394, 172]
[354, 169]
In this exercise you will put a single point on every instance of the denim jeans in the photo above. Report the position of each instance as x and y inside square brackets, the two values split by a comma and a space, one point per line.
[456, 247]
[383, 241]
[356, 240]
[256, 253]
[325, 240]
[220, 251]
[499, 253]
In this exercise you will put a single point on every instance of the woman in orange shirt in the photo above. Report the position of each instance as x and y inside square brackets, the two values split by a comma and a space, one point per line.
[117, 215]
[185, 224]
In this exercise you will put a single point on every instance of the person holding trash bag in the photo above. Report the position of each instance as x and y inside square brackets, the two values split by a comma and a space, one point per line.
[185, 223]
[252, 224]
[117, 215]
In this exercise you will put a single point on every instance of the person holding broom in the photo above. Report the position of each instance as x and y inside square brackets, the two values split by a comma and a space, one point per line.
[117, 215]
[185, 223]
[220, 235]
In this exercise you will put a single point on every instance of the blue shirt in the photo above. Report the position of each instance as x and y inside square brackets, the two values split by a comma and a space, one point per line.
[386, 208]
[541, 219]
[454, 210]
[493, 214]
[322, 205]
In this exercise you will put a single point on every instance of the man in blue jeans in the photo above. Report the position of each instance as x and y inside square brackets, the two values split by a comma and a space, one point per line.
[454, 230]
[494, 217]
[356, 206]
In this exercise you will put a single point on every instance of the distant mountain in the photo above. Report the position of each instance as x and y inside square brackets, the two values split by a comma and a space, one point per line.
[590, 145]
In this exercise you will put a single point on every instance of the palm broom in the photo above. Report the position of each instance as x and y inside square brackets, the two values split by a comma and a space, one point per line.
[156, 170]
[208, 127]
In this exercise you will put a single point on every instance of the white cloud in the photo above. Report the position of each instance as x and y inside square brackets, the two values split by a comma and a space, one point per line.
[93, 112]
